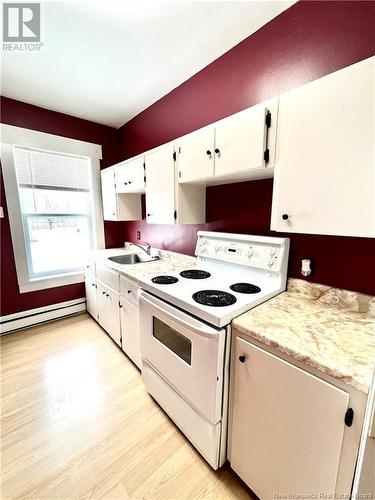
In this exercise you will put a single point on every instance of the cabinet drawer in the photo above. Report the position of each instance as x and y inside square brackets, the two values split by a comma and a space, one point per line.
[90, 268]
[129, 290]
[108, 276]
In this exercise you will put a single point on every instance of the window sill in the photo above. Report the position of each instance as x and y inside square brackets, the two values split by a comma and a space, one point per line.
[52, 282]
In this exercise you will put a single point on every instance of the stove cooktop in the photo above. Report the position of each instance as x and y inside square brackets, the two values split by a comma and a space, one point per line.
[215, 298]
[195, 274]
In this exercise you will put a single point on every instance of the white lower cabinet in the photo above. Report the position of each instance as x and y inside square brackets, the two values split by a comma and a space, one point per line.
[108, 311]
[129, 317]
[286, 426]
[116, 312]
[91, 296]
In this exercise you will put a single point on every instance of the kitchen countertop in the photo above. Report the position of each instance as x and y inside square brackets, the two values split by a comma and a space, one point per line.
[329, 329]
[167, 262]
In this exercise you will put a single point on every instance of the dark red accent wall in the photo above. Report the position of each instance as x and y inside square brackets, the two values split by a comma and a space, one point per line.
[25, 115]
[308, 41]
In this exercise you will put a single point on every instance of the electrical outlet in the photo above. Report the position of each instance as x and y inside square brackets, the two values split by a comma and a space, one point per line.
[138, 235]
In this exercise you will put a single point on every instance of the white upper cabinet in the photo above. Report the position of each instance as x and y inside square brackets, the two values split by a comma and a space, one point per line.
[196, 156]
[130, 176]
[118, 207]
[246, 141]
[167, 202]
[109, 195]
[160, 186]
[325, 161]
[239, 147]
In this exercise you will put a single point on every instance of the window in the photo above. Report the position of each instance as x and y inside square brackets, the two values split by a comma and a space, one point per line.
[52, 187]
[55, 198]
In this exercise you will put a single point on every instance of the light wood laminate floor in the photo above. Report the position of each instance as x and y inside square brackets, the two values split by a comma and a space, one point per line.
[77, 423]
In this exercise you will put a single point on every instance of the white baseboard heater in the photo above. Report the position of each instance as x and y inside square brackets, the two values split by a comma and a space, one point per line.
[24, 319]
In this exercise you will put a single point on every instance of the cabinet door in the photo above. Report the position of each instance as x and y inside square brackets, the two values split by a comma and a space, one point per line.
[109, 195]
[91, 296]
[108, 312]
[324, 175]
[196, 156]
[129, 315]
[160, 186]
[241, 140]
[287, 426]
[130, 176]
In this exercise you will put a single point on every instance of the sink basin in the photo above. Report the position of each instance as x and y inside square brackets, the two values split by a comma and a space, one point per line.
[132, 258]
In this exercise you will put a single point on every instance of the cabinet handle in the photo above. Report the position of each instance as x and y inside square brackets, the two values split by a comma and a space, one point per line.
[121, 306]
[285, 216]
[242, 358]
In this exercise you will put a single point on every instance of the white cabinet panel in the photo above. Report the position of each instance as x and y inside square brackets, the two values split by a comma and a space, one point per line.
[91, 296]
[287, 426]
[130, 176]
[108, 311]
[196, 156]
[160, 186]
[325, 164]
[109, 195]
[129, 315]
[242, 139]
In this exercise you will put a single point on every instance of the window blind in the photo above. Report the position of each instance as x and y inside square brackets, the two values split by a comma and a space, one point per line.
[46, 170]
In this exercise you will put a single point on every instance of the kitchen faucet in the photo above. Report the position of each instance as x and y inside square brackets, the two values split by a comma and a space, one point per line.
[147, 249]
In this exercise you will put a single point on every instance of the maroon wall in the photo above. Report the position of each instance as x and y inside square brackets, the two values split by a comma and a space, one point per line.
[35, 118]
[308, 41]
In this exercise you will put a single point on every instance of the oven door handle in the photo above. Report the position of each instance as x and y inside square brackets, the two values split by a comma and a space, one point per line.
[197, 326]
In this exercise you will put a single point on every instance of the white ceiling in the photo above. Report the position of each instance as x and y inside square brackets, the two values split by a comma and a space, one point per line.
[108, 60]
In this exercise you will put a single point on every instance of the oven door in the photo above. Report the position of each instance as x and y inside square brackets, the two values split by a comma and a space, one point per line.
[186, 352]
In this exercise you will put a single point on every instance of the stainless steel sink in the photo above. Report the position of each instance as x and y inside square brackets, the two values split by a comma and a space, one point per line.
[132, 258]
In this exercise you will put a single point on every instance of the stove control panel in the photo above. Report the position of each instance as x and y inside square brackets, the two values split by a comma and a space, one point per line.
[266, 253]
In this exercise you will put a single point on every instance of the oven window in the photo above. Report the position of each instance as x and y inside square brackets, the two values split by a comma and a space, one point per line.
[176, 342]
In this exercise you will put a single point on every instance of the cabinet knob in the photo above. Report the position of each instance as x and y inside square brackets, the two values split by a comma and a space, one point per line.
[149, 215]
[129, 291]
[93, 284]
[242, 358]
[107, 294]
[103, 293]
[285, 216]
[130, 182]
[217, 151]
[208, 153]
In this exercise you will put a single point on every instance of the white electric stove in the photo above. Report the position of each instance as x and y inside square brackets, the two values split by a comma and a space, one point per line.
[185, 329]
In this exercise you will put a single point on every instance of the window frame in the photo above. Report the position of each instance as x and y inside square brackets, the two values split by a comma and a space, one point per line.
[16, 136]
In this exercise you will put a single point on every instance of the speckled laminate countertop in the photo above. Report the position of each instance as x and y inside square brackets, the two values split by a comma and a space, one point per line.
[167, 262]
[329, 329]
